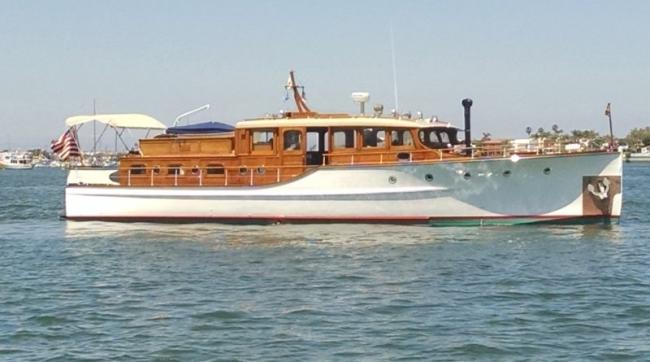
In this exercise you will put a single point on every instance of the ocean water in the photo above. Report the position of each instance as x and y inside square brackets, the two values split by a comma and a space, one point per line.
[86, 291]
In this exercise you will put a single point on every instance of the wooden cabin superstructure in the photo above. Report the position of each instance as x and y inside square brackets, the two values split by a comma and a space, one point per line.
[273, 150]
[277, 149]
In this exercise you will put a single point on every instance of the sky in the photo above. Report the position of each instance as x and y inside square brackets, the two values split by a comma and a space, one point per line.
[524, 63]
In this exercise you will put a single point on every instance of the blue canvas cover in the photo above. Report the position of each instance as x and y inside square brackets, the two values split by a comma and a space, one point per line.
[203, 127]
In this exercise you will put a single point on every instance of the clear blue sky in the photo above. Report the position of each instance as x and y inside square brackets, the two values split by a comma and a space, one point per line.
[523, 62]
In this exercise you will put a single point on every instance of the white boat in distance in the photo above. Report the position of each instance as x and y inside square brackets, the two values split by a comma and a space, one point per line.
[16, 160]
[309, 167]
[642, 156]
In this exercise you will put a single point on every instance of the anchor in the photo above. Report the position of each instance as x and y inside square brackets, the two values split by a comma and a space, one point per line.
[602, 191]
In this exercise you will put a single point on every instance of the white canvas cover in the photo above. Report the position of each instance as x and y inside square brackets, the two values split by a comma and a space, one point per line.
[133, 120]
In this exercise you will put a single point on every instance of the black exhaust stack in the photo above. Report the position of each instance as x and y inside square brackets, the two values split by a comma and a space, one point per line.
[467, 104]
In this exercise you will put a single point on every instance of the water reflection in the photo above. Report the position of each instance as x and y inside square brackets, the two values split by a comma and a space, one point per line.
[223, 235]
[241, 235]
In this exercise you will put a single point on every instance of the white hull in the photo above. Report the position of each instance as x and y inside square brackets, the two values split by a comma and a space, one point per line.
[486, 190]
[639, 157]
[642, 156]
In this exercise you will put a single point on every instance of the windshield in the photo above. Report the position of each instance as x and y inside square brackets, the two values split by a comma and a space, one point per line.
[438, 137]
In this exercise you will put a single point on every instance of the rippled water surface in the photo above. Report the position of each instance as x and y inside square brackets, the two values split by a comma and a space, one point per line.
[201, 292]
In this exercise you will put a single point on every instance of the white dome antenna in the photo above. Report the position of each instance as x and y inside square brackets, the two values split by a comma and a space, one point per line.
[361, 98]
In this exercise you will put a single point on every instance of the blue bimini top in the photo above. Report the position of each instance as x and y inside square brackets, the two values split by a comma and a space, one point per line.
[203, 127]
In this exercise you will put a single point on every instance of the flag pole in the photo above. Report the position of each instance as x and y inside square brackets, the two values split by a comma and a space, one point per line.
[608, 113]
[76, 139]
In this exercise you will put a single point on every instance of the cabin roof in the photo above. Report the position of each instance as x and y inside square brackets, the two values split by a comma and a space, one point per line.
[132, 120]
[340, 122]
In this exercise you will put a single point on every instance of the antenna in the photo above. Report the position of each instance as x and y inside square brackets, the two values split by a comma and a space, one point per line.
[392, 52]
[94, 129]
[199, 109]
[361, 98]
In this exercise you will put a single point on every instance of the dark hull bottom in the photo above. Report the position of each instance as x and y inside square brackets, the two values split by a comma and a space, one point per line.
[436, 222]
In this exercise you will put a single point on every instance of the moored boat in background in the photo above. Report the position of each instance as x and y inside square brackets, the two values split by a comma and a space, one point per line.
[642, 156]
[16, 160]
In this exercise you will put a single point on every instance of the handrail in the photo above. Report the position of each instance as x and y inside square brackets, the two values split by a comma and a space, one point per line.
[268, 174]
[198, 175]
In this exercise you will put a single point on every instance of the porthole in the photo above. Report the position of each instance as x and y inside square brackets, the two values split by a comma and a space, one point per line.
[507, 173]
[196, 171]
[467, 175]
[392, 179]
[156, 170]
[428, 177]
[547, 171]
[243, 170]
[261, 170]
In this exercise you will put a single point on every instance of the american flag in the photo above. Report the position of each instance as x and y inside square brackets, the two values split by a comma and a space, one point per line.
[66, 146]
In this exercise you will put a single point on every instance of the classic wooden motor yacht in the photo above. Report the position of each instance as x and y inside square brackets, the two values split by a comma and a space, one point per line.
[305, 166]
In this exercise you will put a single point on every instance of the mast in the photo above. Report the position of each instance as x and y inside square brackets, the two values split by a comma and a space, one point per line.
[299, 97]
[94, 130]
[608, 113]
[392, 53]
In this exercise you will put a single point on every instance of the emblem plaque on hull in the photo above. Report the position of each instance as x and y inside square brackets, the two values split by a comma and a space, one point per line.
[598, 194]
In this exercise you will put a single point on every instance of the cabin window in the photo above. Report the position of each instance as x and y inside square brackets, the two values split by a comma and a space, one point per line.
[215, 169]
[343, 138]
[438, 138]
[444, 137]
[373, 137]
[316, 145]
[175, 169]
[292, 140]
[138, 170]
[316, 140]
[401, 137]
[262, 140]
[433, 137]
